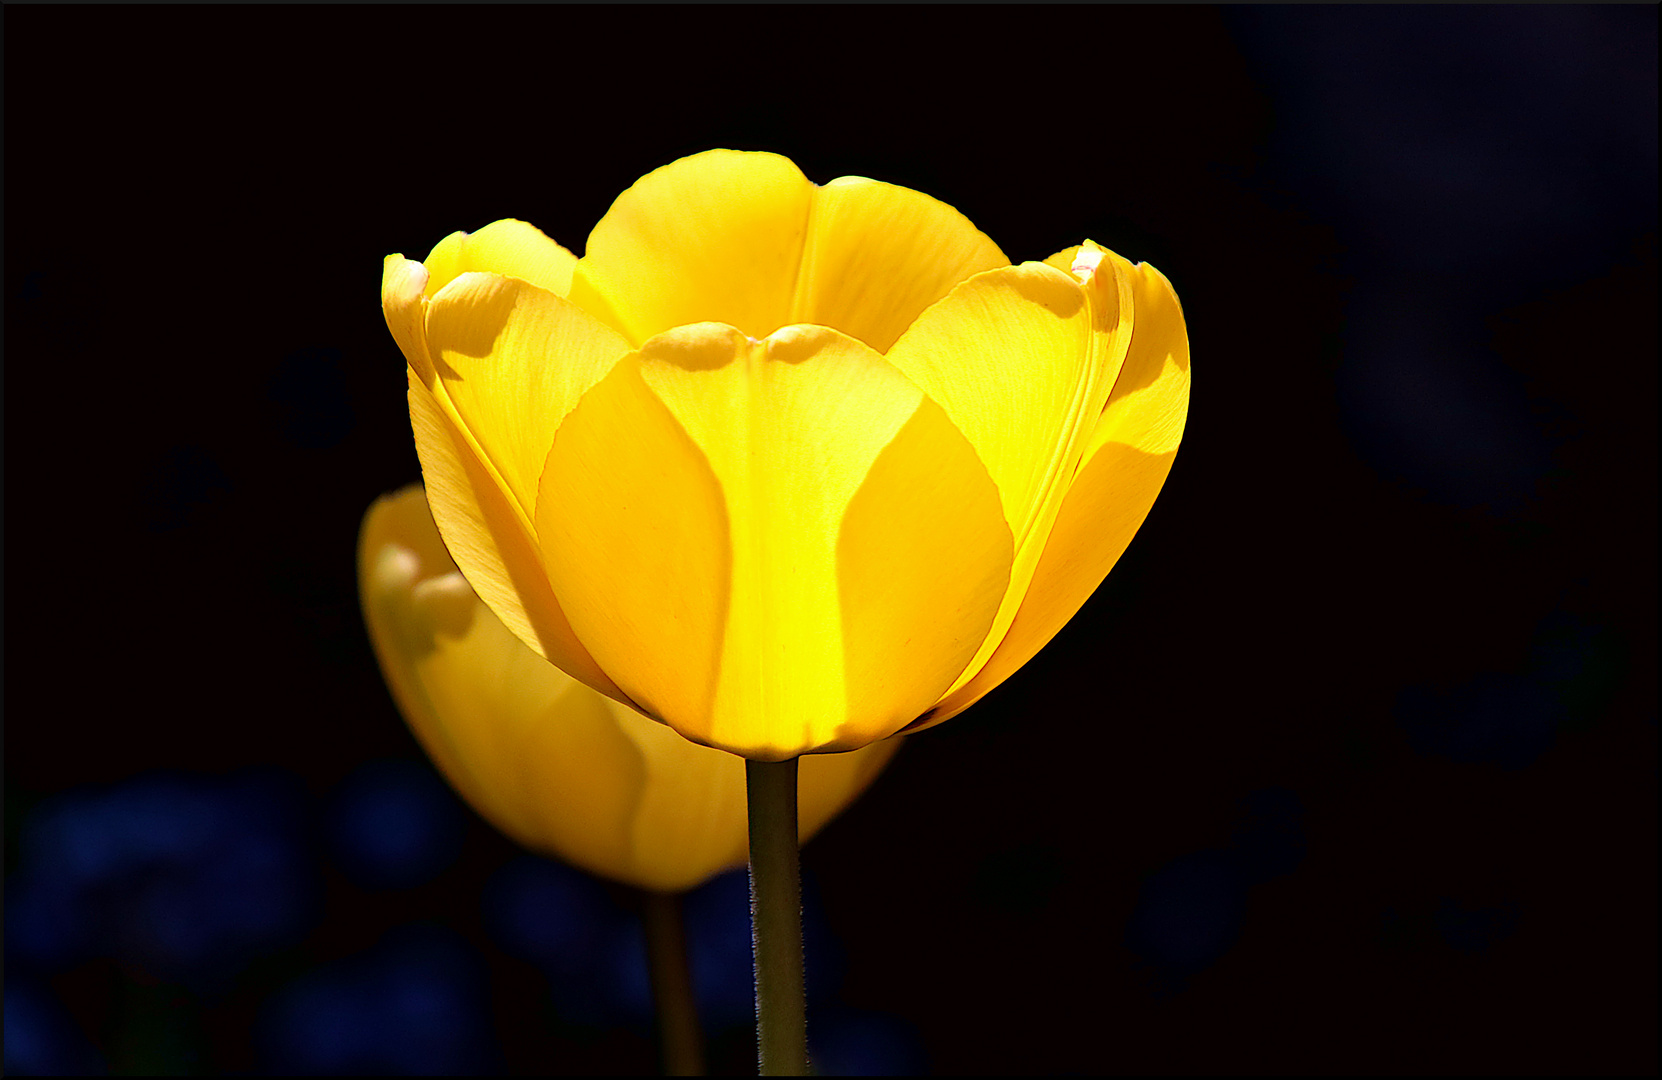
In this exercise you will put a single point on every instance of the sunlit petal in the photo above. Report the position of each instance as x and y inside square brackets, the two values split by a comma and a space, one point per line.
[510, 248]
[1011, 356]
[717, 237]
[878, 255]
[486, 536]
[404, 305]
[512, 360]
[1129, 455]
[752, 453]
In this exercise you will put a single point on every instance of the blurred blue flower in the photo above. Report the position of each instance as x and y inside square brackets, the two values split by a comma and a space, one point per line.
[1439, 413]
[41, 1039]
[185, 877]
[565, 922]
[1570, 675]
[854, 1042]
[1188, 914]
[418, 1003]
[1504, 719]
[593, 951]
[1468, 160]
[394, 824]
[717, 916]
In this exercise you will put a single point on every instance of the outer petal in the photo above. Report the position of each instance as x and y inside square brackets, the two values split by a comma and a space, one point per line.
[487, 538]
[510, 361]
[716, 237]
[554, 765]
[1127, 459]
[730, 523]
[692, 820]
[510, 248]
[878, 255]
[1014, 358]
[536, 753]
[405, 308]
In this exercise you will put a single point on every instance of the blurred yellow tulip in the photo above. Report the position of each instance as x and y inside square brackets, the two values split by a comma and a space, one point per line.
[556, 766]
[791, 468]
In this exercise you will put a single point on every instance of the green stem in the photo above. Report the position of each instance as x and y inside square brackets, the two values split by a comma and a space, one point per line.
[776, 918]
[680, 1039]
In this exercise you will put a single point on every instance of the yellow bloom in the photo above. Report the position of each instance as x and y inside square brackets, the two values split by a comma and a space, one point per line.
[791, 468]
[548, 761]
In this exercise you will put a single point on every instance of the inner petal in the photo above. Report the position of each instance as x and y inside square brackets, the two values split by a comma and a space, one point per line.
[508, 247]
[716, 237]
[878, 255]
[745, 239]
[732, 524]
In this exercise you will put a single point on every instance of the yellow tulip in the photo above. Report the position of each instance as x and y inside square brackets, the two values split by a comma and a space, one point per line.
[558, 767]
[790, 468]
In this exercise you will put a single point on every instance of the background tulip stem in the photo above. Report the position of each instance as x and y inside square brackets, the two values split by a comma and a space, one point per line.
[776, 918]
[680, 1039]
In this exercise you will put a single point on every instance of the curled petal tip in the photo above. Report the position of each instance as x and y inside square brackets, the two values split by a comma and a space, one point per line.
[1086, 262]
[405, 280]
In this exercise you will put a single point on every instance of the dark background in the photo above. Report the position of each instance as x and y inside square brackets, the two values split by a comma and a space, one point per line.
[1350, 765]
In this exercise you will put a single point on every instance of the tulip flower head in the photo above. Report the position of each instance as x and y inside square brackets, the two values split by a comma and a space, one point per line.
[560, 768]
[790, 468]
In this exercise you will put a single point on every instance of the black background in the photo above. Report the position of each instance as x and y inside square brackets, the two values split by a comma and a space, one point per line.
[1392, 619]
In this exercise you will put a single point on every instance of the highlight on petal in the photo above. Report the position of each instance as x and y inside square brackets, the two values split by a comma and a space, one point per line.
[877, 255]
[1128, 457]
[692, 515]
[486, 536]
[1012, 357]
[509, 248]
[716, 237]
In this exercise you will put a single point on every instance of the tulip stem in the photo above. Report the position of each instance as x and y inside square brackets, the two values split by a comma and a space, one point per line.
[680, 1039]
[776, 918]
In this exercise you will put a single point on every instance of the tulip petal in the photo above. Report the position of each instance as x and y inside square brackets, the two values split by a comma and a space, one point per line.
[925, 559]
[728, 523]
[715, 237]
[555, 766]
[878, 255]
[507, 728]
[692, 818]
[691, 821]
[829, 782]
[511, 360]
[1128, 458]
[1013, 357]
[405, 309]
[486, 537]
[510, 248]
